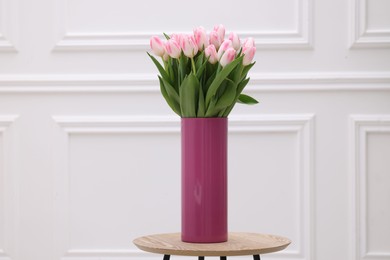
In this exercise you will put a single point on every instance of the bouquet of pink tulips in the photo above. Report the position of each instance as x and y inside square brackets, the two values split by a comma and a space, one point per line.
[203, 75]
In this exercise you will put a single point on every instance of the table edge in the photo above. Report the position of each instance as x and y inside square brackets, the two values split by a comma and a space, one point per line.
[213, 253]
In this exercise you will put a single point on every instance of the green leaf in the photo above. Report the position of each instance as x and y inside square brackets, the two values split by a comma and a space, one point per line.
[163, 73]
[199, 61]
[209, 81]
[222, 112]
[170, 70]
[220, 77]
[183, 60]
[240, 88]
[189, 92]
[200, 70]
[167, 36]
[210, 69]
[246, 70]
[171, 91]
[172, 104]
[224, 101]
[211, 112]
[228, 97]
[237, 72]
[245, 99]
[201, 106]
[175, 74]
[242, 85]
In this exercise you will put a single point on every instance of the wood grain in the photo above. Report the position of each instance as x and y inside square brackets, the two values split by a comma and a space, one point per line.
[237, 244]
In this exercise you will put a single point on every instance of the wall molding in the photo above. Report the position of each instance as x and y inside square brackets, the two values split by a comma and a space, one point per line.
[361, 36]
[102, 254]
[5, 45]
[301, 124]
[3, 255]
[300, 38]
[8, 25]
[141, 83]
[7, 188]
[360, 127]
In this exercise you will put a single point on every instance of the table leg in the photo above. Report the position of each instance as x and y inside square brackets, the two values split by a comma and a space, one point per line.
[166, 257]
[256, 257]
[201, 258]
[223, 257]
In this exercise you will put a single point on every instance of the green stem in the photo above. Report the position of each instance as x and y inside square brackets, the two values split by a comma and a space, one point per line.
[165, 64]
[193, 66]
[219, 68]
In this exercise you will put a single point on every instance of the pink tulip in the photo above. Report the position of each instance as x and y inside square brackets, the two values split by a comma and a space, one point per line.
[178, 37]
[173, 49]
[157, 46]
[235, 40]
[227, 44]
[249, 53]
[201, 38]
[220, 29]
[211, 53]
[248, 43]
[227, 57]
[214, 39]
[189, 46]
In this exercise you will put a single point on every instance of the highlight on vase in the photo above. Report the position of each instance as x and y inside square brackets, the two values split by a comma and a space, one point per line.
[203, 74]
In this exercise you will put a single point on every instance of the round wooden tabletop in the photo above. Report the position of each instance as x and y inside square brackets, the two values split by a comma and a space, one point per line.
[237, 244]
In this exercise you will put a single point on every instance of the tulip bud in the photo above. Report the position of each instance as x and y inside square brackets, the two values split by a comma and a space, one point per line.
[214, 39]
[177, 37]
[248, 53]
[227, 44]
[173, 48]
[220, 29]
[189, 46]
[227, 57]
[235, 40]
[211, 53]
[157, 46]
[248, 43]
[200, 38]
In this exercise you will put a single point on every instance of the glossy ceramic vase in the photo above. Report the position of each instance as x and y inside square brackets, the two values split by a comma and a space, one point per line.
[204, 180]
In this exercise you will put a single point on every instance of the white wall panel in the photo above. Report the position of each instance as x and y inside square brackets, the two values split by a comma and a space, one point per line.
[271, 183]
[377, 16]
[113, 191]
[113, 162]
[75, 186]
[2, 198]
[378, 193]
[7, 190]
[8, 25]
[370, 180]
[370, 23]
[109, 25]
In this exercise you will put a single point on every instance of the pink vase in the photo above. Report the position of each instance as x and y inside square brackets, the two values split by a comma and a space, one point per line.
[204, 180]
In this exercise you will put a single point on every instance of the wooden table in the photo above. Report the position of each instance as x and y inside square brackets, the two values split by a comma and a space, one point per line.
[237, 244]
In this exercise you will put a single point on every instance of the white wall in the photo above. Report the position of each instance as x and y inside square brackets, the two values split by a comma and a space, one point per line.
[90, 153]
